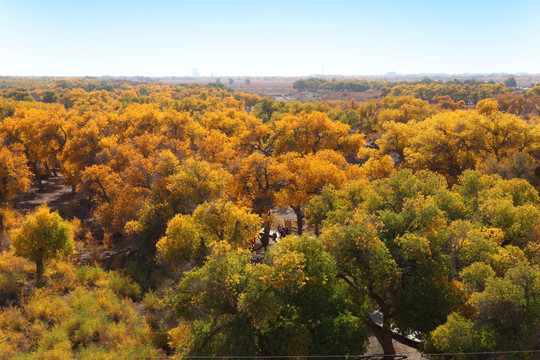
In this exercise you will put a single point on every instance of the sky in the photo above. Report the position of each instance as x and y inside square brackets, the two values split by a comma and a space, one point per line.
[267, 37]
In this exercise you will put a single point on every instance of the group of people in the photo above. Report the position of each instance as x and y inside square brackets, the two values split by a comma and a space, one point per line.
[274, 236]
[283, 230]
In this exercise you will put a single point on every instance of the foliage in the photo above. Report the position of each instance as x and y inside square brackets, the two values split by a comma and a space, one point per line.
[427, 199]
[415, 247]
[43, 236]
[505, 316]
[90, 316]
[290, 305]
[188, 236]
[15, 177]
[14, 272]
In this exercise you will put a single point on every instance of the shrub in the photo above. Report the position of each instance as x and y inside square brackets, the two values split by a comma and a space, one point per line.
[14, 271]
[121, 286]
[88, 275]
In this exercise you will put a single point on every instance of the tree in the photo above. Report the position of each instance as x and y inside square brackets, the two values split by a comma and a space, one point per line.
[266, 108]
[311, 132]
[42, 236]
[40, 131]
[452, 142]
[395, 138]
[404, 109]
[193, 183]
[445, 102]
[231, 81]
[388, 239]
[49, 97]
[224, 221]
[182, 242]
[188, 237]
[510, 82]
[14, 173]
[487, 106]
[293, 304]
[505, 134]
[249, 100]
[445, 143]
[305, 176]
[505, 314]
[247, 81]
[419, 250]
[256, 180]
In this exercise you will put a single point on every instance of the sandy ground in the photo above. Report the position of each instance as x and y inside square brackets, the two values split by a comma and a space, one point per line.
[54, 191]
[374, 348]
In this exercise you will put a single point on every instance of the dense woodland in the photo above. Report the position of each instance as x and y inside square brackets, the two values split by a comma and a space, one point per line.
[423, 205]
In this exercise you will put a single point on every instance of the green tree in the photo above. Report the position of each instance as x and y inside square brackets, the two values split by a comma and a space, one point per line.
[291, 305]
[510, 82]
[419, 250]
[505, 313]
[388, 238]
[42, 236]
[49, 97]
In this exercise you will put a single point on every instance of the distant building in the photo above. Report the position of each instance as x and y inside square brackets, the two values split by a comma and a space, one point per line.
[195, 72]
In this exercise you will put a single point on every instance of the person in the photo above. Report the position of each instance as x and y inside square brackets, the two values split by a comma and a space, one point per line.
[280, 231]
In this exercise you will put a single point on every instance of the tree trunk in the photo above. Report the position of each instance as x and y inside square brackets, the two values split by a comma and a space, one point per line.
[39, 273]
[299, 218]
[317, 230]
[39, 184]
[48, 170]
[3, 243]
[265, 238]
[383, 335]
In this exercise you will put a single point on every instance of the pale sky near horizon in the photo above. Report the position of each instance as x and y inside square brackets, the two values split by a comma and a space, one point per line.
[278, 38]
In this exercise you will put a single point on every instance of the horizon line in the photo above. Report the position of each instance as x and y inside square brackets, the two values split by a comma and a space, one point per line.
[388, 74]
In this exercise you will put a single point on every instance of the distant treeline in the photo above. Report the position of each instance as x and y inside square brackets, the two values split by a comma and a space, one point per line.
[52, 90]
[350, 85]
[468, 93]
[469, 90]
[357, 85]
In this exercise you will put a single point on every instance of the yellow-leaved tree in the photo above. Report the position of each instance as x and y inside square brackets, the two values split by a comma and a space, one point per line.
[43, 236]
[305, 176]
[188, 237]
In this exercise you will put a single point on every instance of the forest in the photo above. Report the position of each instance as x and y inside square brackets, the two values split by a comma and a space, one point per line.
[140, 218]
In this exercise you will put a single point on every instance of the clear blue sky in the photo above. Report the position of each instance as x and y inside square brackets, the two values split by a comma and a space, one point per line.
[162, 38]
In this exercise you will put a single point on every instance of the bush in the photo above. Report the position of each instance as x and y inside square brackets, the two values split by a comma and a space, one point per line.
[89, 275]
[14, 272]
[60, 275]
[83, 321]
[47, 307]
[121, 286]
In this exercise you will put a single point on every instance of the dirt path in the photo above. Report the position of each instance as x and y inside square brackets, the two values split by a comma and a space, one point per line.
[374, 348]
[57, 196]
[53, 194]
